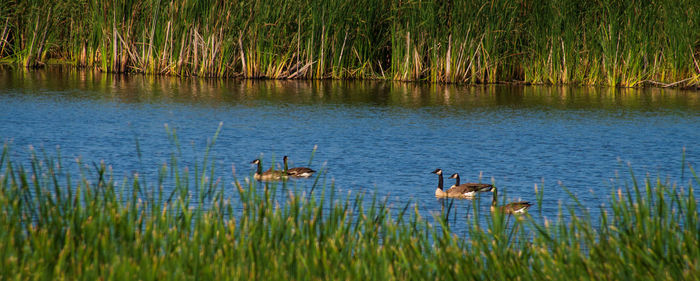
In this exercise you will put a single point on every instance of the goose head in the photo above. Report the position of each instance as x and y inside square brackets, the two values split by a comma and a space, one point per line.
[437, 172]
[454, 176]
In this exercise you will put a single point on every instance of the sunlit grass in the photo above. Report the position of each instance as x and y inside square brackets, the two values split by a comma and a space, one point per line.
[616, 43]
[188, 224]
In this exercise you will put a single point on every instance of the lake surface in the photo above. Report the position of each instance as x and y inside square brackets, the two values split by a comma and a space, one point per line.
[372, 136]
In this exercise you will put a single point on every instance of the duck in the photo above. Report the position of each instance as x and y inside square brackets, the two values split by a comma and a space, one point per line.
[269, 175]
[297, 172]
[518, 207]
[469, 189]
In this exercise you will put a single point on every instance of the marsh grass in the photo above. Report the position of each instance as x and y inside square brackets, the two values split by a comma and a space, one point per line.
[186, 224]
[617, 43]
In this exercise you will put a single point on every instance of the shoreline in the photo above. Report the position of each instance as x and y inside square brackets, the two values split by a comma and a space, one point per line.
[647, 84]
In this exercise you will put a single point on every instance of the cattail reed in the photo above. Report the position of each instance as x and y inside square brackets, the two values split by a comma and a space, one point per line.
[616, 43]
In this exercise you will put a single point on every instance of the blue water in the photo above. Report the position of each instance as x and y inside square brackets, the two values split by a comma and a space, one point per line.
[371, 136]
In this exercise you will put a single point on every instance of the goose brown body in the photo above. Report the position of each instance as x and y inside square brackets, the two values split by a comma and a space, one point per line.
[468, 189]
[298, 172]
[269, 175]
[518, 207]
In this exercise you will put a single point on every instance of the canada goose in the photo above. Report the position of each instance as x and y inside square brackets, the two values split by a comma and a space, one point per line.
[298, 172]
[452, 192]
[269, 175]
[467, 189]
[439, 192]
[510, 208]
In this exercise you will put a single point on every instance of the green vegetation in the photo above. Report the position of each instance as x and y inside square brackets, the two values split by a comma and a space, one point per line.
[618, 43]
[187, 224]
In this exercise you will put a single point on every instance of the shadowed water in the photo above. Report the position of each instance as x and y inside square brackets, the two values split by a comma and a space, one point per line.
[371, 136]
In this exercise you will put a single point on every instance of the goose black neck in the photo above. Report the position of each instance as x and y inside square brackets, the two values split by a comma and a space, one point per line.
[457, 178]
[285, 165]
[259, 167]
[440, 181]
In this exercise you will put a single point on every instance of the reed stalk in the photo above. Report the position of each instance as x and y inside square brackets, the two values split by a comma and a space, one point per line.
[617, 43]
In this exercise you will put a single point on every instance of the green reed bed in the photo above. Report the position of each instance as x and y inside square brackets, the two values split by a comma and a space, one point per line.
[188, 224]
[618, 43]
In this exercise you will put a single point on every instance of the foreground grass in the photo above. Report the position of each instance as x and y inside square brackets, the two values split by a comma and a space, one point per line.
[618, 43]
[58, 226]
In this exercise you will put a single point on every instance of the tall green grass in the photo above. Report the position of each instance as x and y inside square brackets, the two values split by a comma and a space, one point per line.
[188, 224]
[618, 43]
[623, 43]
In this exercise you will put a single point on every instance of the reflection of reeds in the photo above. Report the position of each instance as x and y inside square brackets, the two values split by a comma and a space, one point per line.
[617, 43]
[224, 92]
[187, 224]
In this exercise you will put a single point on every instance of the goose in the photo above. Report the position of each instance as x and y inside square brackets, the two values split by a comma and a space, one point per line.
[510, 208]
[269, 175]
[439, 192]
[298, 172]
[467, 189]
[452, 192]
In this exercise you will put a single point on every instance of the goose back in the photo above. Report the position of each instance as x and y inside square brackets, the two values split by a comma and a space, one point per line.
[466, 189]
[298, 172]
